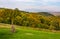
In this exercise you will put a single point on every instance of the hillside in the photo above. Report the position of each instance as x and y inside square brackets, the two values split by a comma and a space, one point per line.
[56, 13]
[42, 20]
[25, 33]
[41, 13]
[45, 14]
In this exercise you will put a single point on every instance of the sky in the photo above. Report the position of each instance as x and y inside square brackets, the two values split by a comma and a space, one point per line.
[32, 5]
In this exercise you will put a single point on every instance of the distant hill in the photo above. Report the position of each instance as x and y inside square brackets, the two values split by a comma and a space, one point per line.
[55, 13]
[45, 14]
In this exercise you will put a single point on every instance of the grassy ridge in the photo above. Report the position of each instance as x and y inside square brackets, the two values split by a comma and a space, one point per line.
[25, 33]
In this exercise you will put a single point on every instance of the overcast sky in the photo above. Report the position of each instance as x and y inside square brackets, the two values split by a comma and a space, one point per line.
[32, 5]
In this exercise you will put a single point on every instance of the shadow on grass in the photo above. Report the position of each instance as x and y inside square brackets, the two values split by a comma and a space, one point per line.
[5, 34]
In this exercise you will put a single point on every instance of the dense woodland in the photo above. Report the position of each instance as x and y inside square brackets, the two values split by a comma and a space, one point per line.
[42, 20]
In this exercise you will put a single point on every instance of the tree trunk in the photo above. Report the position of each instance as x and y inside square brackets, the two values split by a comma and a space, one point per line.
[12, 27]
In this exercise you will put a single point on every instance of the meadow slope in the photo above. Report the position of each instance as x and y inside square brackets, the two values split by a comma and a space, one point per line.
[25, 33]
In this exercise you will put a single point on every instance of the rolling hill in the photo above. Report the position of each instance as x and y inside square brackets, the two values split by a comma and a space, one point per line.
[56, 13]
[43, 20]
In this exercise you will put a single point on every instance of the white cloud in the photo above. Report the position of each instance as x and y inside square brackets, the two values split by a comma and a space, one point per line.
[17, 0]
[34, 0]
[22, 5]
[54, 0]
[40, 0]
[24, 0]
[50, 0]
[48, 8]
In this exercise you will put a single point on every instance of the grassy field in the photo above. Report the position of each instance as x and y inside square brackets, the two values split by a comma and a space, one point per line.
[25, 33]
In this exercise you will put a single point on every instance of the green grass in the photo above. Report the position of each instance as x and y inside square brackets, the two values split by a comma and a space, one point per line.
[26, 33]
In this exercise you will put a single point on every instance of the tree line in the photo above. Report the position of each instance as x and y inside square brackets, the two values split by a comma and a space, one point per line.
[29, 19]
